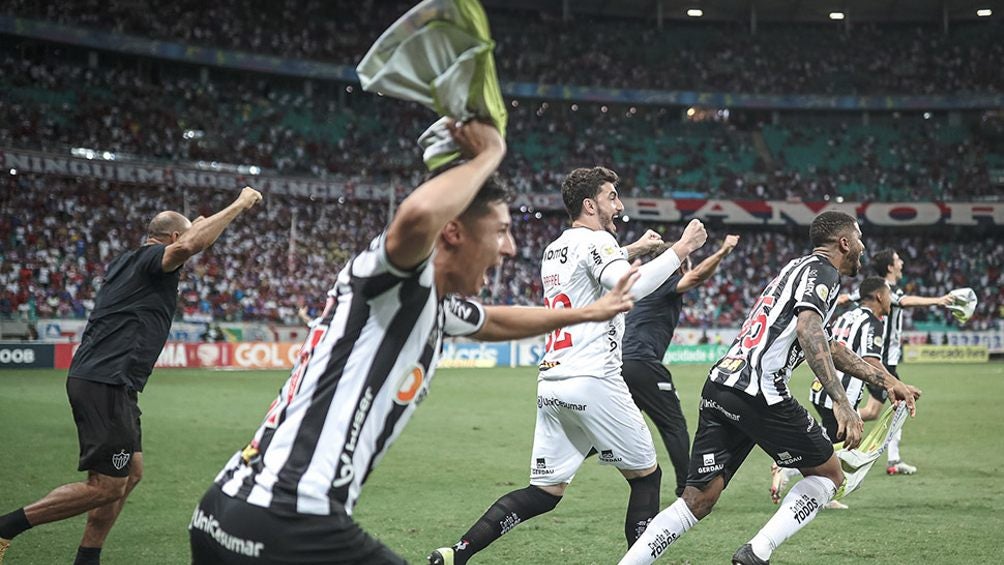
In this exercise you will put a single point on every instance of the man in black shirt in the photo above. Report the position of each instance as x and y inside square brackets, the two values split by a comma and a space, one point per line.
[123, 338]
[648, 331]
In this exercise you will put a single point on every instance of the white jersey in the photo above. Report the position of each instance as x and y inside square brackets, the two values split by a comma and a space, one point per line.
[570, 271]
[361, 373]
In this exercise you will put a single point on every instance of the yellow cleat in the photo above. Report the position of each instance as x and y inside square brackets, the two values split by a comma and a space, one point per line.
[442, 556]
[4, 544]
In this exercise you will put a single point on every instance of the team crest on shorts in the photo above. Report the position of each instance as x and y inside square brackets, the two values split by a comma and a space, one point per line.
[120, 460]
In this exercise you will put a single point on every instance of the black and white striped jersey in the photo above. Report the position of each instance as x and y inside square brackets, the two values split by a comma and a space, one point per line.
[360, 375]
[894, 330]
[765, 352]
[861, 331]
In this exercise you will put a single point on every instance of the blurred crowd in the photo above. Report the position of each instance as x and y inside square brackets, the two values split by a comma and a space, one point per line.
[334, 131]
[57, 237]
[592, 51]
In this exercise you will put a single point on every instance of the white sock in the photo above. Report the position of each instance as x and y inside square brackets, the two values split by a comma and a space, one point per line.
[790, 473]
[797, 509]
[893, 452]
[662, 531]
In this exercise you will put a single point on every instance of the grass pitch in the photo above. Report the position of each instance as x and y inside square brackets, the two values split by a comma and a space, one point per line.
[470, 443]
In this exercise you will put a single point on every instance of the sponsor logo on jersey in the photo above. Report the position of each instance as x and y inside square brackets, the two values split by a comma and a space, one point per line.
[710, 468]
[709, 458]
[731, 365]
[409, 385]
[345, 471]
[560, 254]
[810, 282]
[705, 403]
[120, 459]
[785, 458]
[597, 260]
[541, 468]
[877, 340]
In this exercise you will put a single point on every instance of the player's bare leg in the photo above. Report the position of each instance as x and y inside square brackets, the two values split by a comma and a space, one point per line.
[101, 519]
[798, 508]
[63, 502]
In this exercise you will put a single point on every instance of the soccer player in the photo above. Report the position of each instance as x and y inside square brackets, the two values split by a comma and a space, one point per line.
[121, 342]
[860, 330]
[888, 265]
[649, 329]
[288, 496]
[582, 401]
[746, 401]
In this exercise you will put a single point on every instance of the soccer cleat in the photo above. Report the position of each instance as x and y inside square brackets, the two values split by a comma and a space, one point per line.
[745, 556]
[442, 556]
[900, 468]
[4, 544]
[835, 505]
[778, 480]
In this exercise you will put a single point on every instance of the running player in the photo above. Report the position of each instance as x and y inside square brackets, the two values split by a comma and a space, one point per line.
[860, 330]
[746, 401]
[287, 497]
[123, 337]
[888, 265]
[649, 329]
[582, 401]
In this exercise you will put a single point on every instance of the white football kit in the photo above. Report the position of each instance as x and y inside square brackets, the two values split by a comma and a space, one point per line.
[582, 401]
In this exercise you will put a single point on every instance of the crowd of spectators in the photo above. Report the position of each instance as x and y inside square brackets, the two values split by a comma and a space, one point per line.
[57, 236]
[337, 132]
[537, 47]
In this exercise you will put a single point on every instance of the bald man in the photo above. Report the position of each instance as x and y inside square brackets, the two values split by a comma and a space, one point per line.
[121, 342]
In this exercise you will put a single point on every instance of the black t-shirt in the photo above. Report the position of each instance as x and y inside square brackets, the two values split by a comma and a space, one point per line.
[130, 322]
[650, 324]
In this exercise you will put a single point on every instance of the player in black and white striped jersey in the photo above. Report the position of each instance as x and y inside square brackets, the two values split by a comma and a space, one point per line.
[746, 400]
[888, 265]
[288, 495]
[860, 330]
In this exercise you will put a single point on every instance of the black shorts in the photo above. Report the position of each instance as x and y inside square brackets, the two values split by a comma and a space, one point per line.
[879, 392]
[828, 421]
[731, 422]
[228, 531]
[108, 425]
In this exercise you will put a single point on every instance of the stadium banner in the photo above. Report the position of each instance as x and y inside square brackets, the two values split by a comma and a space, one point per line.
[729, 212]
[945, 354]
[240, 60]
[222, 355]
[705, 354]
[993, 340]
[463, 353]
[21, 355]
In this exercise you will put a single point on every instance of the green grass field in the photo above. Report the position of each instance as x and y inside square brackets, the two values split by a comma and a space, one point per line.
[470, 442]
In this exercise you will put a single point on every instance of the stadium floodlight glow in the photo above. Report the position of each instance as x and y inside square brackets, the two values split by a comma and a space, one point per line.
[254, 169]
[515, 103]
[348, 89]
[927, 115]
[695, 12]
[691, 112]
[575, 107]
[836, 15]
[13, 172]
[625, 218]
[984, 13]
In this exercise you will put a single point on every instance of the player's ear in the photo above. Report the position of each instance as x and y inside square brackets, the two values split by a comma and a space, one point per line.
[452, 232]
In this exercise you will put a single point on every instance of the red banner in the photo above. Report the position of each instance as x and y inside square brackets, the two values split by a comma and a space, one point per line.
[182, 355]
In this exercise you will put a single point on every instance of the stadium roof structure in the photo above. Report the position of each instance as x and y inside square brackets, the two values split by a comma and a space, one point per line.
[890, 11]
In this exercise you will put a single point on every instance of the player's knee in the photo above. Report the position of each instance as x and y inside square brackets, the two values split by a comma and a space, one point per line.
[545, 498]
[701, 501]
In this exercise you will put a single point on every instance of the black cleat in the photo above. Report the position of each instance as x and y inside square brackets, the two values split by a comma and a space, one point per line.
[745, 556]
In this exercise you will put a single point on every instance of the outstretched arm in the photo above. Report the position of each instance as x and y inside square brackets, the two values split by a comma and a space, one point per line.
[205, 231]
[503, 323]
[650, 242]
[816, 346]
[423, 214]
[655, 272]
[874, 373]
[910, 301]
[707, 267]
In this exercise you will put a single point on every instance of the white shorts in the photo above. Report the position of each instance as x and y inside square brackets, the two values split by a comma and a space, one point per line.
[579, 413]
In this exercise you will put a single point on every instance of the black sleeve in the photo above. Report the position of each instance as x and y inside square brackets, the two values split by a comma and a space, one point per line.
[152, 259]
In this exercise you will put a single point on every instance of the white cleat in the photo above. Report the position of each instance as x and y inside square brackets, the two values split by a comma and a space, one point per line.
[778, 480]
[900, 468]
[835, 505]
[441, 556]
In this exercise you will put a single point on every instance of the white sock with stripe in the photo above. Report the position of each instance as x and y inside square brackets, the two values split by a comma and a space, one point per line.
[662, 531]
[797, 509]
[893, 452]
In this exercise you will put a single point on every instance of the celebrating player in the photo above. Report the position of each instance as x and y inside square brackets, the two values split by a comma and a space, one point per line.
[648, 332]
[889, 266]
[288, 496]
[582, 401]
[123, 337]
[746, 401]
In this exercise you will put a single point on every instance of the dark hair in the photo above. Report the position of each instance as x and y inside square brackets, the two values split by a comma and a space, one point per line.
[493, 191]
[882, 260]
[584, 183]
[829, 226]
[870, 286]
